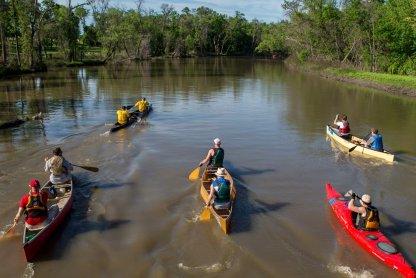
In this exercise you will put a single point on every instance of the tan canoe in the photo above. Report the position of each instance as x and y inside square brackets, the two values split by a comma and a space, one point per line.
[223, 216]
[359, 149]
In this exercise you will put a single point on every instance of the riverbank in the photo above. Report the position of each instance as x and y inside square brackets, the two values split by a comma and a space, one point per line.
[402, 85]
[6, 72]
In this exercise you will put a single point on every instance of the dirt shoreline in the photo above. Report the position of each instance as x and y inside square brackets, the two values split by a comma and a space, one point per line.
[319, 71]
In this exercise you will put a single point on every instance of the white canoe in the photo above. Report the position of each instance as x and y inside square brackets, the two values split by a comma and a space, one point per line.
[359, 149]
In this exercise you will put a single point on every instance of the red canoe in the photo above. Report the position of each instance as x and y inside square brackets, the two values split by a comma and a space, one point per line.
[373, 241]
[33, 241]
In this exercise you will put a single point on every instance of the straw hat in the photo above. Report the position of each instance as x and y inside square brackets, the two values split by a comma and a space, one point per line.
[220, 172]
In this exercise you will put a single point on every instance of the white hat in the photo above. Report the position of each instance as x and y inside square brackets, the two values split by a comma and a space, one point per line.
[220, 172]
[366, 198]
[217, 141]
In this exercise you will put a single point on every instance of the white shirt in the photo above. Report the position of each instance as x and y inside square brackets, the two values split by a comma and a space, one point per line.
[62, 178]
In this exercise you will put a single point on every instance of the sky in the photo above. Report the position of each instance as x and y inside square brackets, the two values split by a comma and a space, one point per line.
[263, 10]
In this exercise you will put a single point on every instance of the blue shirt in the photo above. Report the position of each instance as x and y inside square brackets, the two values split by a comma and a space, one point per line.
[376, 142]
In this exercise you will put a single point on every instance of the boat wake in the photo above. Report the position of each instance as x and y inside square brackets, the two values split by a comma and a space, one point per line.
[216, 267]
[29, 271]
[107, 133]
[348, 272]
[194, 218]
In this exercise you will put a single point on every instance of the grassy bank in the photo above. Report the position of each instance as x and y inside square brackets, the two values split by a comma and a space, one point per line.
[392, 83]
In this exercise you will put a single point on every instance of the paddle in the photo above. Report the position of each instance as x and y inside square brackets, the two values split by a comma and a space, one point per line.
[88, 168]
[12, 228]
[194, 175]
[205, 214]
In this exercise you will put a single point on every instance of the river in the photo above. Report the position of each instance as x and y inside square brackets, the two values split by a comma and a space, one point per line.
[137, 216]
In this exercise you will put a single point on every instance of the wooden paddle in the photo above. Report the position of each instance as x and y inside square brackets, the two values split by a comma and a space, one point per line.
[194, 175]
[88, 168]
[205, 214]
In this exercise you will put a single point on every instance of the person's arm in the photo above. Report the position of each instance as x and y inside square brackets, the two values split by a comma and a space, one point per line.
[369, 142]
[17, 217]
[211, 194]
[209, 154]
[353, 208]
[336, 119]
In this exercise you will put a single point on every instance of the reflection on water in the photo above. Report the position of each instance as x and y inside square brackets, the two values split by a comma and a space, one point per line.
[133, 218]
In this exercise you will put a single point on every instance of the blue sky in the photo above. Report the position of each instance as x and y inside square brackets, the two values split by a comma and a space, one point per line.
[264, 10]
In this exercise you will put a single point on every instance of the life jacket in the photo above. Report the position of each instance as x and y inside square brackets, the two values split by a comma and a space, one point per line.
[35, 207]
[122, 117]
[57, 165]
[370, 221]
[345, 130]
[377, 143]
[217, 159]
[223, 192]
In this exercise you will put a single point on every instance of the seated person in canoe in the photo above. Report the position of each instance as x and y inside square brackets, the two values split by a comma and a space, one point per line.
[59, 168]
[215, 155]
[122, 116]
[343, 126]
[142, 105]
[34, 206]
[367, 215]
[220, 190]
[375, 142]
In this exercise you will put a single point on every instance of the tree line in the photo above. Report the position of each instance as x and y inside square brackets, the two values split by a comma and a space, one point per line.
[376, 35]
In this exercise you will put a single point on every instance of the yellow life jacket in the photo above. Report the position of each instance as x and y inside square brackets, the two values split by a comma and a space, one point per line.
[370, 221]
[56, 165]
[142, 105]
[122, 116]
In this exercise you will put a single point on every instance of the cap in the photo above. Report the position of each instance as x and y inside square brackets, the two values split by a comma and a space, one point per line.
[217, 141]
[34, 183]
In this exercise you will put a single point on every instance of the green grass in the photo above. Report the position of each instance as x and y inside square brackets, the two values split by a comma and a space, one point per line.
[382, 78]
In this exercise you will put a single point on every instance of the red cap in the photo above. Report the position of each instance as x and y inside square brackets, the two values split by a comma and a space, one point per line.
[34, 183]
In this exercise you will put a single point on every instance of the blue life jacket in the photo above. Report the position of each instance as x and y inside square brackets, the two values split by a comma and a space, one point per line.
[377, 143]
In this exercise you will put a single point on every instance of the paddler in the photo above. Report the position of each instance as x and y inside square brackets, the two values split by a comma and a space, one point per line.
[215, 155]
[142, 105]
[59, 168]
[122, 116]
[375, 142]
[34, 206]
[343, 126]
[367, 215]
[219, 195]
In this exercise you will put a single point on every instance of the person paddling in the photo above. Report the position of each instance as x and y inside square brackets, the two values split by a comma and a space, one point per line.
[122, 116]
[59, 168]
[375, 142]
[142, 105]
[215, 156]
[34, 206]
[367, 215]
[220, 191]
[343, 126]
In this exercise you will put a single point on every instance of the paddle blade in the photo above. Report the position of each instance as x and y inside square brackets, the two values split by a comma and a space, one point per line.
[353, 148]
[205, 214]
[8, 233]
[194, 175]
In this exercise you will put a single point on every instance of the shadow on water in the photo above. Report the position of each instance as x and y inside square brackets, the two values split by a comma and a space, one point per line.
[245, 206]
[78, 222]
[398, 226]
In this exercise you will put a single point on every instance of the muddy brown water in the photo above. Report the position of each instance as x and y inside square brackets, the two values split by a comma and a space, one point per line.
[136, 217]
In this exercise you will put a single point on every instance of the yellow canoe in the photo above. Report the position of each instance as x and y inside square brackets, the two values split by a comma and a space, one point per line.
[359, 148]
[223, 216]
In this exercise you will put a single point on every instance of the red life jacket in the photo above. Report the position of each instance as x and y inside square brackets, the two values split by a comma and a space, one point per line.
[345, 129]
